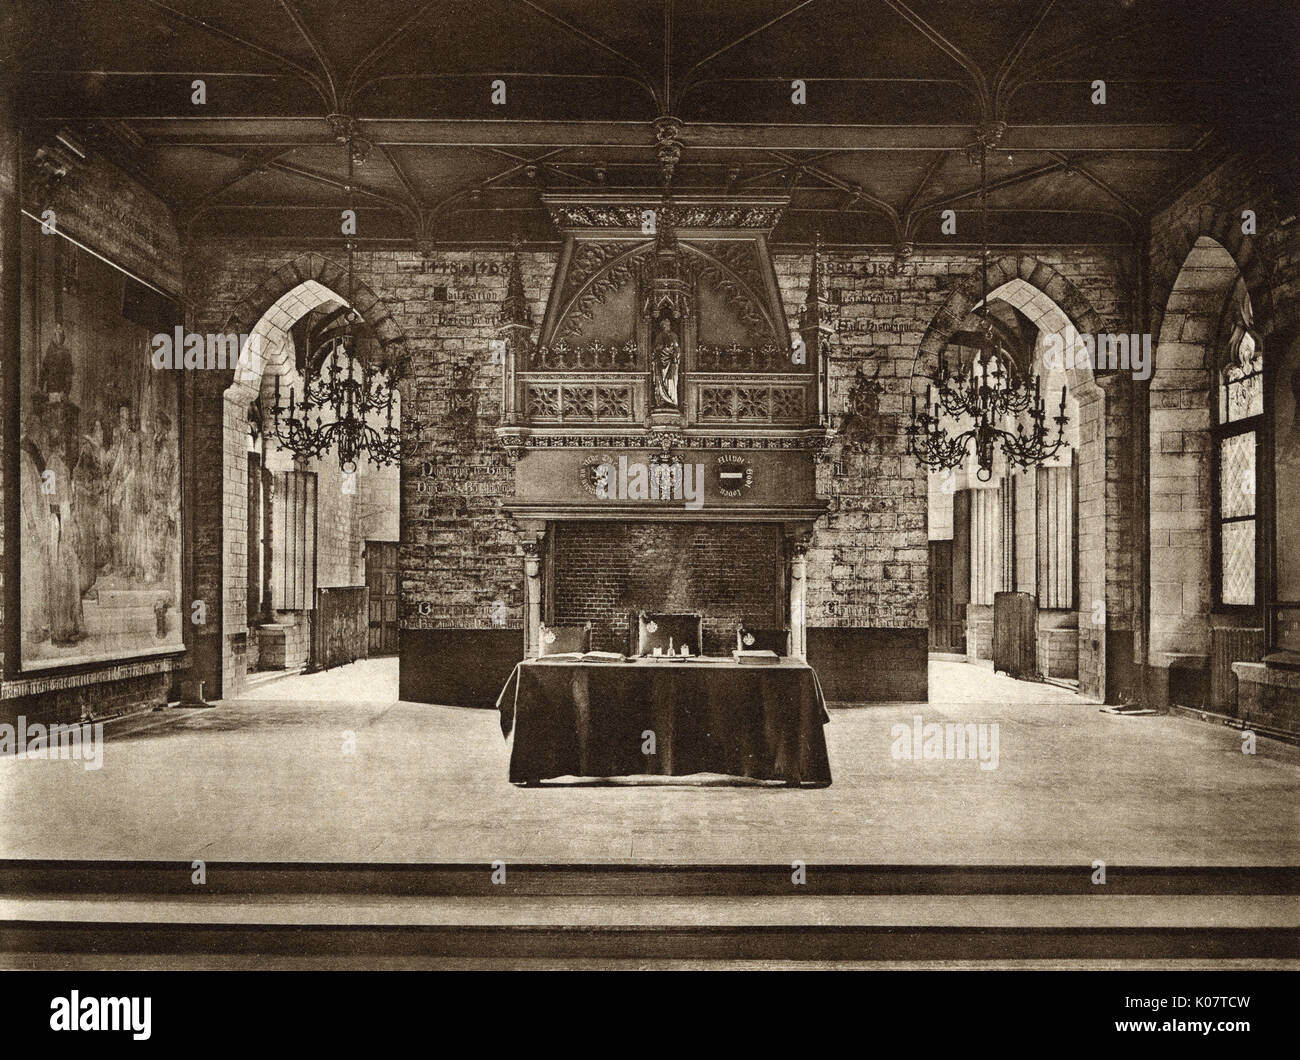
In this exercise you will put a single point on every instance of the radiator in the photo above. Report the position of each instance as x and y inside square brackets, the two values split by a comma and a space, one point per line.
[1228, 646]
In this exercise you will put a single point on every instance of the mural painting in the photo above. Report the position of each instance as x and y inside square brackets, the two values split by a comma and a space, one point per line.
[99, 469]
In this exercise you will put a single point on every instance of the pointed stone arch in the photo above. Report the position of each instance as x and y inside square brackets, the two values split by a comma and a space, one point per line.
[1180, 487]
[1036, 274]
[1223, 226]
[1196, 263]
[316, 268]
[1054, 304]
[265, 315]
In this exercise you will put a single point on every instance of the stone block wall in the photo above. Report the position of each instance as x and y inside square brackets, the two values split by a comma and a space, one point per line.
[461, 558]
[869, 564]
[1199, 250]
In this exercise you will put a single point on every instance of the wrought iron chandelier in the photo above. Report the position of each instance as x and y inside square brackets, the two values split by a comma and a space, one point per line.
[351, 397]
[988, 391]
[347, 400]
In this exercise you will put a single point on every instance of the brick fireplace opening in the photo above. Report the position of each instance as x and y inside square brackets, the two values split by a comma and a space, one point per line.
[602, 571]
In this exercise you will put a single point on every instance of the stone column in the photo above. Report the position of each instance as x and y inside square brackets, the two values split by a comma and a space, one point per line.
[532, 598]
[798, 596]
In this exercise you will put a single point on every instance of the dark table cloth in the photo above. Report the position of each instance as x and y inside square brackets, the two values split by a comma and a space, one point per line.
[588, 719]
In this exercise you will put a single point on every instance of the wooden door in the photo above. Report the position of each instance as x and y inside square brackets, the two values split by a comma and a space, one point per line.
[947, 614]
[381, 580]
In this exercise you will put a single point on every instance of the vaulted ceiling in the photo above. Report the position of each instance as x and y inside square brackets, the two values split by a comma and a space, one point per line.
[896, 92]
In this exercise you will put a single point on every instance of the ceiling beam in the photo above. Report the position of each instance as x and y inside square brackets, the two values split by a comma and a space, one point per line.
[194, 131]
[464, 75]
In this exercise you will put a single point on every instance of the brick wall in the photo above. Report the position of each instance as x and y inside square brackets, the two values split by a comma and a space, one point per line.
[728, 573]
[100, 699]
[459, 554]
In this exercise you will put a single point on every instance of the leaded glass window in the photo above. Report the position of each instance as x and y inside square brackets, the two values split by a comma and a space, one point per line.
[1240, 409]
[1241, 382]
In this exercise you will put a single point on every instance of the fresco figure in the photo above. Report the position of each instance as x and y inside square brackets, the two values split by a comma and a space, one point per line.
[99, 473]
[90, 507]
[124, 473]
[35, 543]
[66, 623]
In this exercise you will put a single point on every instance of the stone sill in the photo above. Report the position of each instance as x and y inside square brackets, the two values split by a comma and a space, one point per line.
[1175, 660]
[1262, 674]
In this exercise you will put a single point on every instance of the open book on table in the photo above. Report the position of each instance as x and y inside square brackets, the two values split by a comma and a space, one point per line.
[586, 656]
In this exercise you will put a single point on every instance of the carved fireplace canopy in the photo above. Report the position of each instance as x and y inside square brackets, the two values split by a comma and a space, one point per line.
[664, 341]
[664, 315]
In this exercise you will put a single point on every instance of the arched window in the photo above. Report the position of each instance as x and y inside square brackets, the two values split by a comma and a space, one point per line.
[1238, 416]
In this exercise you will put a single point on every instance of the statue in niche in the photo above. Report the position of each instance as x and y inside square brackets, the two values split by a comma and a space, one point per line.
[666, 362]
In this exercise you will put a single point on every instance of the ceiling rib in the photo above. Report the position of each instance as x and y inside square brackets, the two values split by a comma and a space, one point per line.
[1071, 166]
[949, 49]
[1072, 51]
[740, 40]
[1013, 56]
[332, 182]
[403, 179]
[901, 162]
[190, 211]
[909, 207]
[1023, 177]
[372, 56]
[243, 42]
[854, 189]
[327, 68]
[581, 33]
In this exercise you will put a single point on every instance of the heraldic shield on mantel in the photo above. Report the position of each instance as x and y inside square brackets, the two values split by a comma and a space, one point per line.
[99, 466]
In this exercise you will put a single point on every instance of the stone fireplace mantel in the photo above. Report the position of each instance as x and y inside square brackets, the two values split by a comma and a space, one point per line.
[795, 517]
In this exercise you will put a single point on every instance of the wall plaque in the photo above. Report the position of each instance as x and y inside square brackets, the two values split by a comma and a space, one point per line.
[735, 475]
